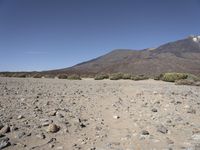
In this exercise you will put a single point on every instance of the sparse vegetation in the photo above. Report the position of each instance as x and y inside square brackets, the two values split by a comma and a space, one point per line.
[172, 77]
[116, 76]
[62, 76]
[139, 77]
[19, 75]
[184, 82]
[193, 77]
[49, 76]
[74, 77]
[191, 80]
[179, 78]
[38, 75]
[101, 76]
[158, 77]
[126, 76]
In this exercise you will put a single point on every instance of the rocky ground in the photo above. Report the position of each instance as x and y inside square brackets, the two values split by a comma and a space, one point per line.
[43, 114]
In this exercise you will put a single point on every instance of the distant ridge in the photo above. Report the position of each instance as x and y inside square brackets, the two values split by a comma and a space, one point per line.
[179, 56]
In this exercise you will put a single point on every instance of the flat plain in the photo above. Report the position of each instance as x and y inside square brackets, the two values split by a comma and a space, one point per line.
[58, 114]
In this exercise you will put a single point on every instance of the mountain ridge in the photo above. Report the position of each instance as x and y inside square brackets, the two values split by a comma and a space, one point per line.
[178, 56]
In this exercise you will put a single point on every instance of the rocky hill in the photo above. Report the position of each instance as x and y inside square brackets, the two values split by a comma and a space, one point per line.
[179, 56]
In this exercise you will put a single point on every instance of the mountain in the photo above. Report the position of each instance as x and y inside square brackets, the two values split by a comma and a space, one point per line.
[179, 56]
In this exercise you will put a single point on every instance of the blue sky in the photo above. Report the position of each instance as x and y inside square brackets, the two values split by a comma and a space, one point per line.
[51, 34]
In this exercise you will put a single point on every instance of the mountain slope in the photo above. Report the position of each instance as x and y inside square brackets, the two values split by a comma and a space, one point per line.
[178, 56]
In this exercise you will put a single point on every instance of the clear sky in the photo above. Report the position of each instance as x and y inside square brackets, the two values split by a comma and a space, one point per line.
[53, 34]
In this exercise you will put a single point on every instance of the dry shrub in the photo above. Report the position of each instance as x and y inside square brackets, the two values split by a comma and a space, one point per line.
[127, 76]
[38, 75]
[62, 76]
[101, 76]
[172, 77]
[139, 77]
[74, 77]
[116, 76]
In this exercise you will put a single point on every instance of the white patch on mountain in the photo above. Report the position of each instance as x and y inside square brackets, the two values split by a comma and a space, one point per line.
[196, 38]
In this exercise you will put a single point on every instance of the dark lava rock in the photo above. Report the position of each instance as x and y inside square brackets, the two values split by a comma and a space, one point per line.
[145, 132]
[154, 110]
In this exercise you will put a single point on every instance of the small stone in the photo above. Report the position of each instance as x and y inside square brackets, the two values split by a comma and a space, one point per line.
[155, 92]
[45, 124]
[51, 140]
[196, 131]
[59, 148]
[51, 145]
[5, 129]
[20, 117]
[154, 110]
[169, 141]
[52, 128]
[178, 119]
[196, 137]
[116, 117]
[162, 129]
[22, 99]
[4, 142]
[168, 121]
[144, 132]
[52, 113]
[157, 102]
[59, 115]
[98, 129]
[13, 128]
[20, 135]
[29, 134]
[82, 125]
[177, 102]
[191, 110]
[41, 136]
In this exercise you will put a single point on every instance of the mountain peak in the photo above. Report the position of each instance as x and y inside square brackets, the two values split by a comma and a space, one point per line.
[195, 38]
[178, 56]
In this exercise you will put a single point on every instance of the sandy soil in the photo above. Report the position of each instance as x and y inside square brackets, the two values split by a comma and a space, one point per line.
[98, 115]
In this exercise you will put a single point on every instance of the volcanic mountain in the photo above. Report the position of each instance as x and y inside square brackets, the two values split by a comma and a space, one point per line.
[179, 56]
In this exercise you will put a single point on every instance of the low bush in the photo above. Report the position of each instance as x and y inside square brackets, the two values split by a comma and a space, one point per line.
[37, 75]
[19, 75]
[62, 76]
[193, 77]
[184, 82]
[172, 77]
[50, 76]
[6, 75]
[190, 80]
[126, 76]
[101, 76]
[158, 77]
[139, 77]
[116, 76]
[74, 77]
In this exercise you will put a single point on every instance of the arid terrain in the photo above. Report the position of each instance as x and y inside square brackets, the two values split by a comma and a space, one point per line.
[43, 114]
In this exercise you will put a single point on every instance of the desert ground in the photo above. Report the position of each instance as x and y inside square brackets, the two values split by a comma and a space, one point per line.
[43, 114]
